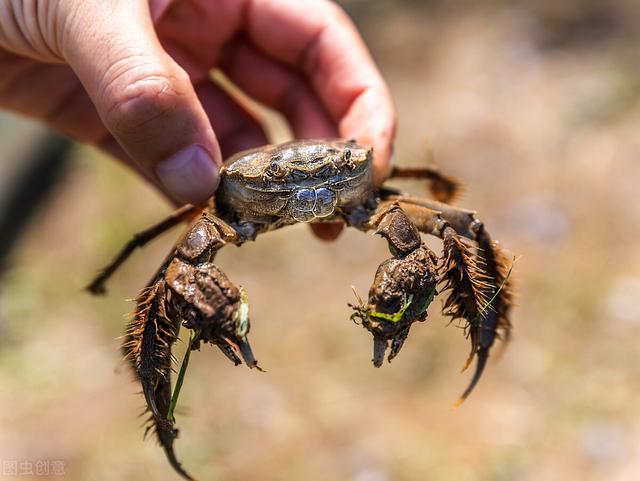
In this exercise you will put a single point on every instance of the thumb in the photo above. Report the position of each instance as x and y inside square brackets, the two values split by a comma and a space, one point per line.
[143, 97]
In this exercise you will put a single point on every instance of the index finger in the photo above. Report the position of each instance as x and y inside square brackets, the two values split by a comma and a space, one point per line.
[318, 38]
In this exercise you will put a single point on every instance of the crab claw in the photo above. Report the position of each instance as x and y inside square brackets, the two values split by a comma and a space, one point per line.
[401, 292]
[247, 354]
[397, 343]
[237, 351]
[381, 343]
[379, 349]
[242, 326]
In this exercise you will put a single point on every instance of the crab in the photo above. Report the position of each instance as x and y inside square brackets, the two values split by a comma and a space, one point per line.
[275, 186]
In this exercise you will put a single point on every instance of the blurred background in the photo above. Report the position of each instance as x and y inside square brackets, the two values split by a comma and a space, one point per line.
[534, 104]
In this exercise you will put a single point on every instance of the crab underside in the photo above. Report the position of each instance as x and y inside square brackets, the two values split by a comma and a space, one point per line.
[190, 290]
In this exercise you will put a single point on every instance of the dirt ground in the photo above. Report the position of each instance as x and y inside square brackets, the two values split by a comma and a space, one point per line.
[535, 106]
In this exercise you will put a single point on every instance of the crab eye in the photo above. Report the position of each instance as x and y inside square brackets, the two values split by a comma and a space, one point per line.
[274, 167]
[347, 154]
[276, 171]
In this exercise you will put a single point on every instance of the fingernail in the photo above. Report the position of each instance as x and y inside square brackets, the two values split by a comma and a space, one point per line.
[190, 175]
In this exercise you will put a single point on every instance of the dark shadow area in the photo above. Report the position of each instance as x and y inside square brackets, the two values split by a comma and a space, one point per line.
[42, 171]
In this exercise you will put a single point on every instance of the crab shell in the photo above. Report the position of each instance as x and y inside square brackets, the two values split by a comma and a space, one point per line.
[313, 180]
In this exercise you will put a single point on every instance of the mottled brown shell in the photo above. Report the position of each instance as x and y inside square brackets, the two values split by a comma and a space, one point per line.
[206, 288]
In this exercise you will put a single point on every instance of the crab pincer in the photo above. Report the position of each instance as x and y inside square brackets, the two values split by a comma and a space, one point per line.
[399, 296]
[213, 306]
[403, 287]
[208, 304]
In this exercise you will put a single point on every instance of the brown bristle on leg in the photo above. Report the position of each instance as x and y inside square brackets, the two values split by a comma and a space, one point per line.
[150, 333]
[498, 266]
[462, 277]
[494, 314]
[504, 280]
[147, 347]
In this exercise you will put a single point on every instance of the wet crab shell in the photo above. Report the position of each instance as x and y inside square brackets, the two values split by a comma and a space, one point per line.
[297, 182]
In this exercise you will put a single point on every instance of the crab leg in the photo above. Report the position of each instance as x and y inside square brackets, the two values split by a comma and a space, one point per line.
[496, 263]
[443, 187]
[154, 326]
[187, 289]
[418, 208]
[184, 213]
[495, 317]
[147, 347]
[479, 289]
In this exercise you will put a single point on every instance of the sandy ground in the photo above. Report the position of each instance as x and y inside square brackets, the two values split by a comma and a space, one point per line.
[543, 128]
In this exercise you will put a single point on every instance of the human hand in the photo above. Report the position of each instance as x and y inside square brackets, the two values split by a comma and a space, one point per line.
[132, 77]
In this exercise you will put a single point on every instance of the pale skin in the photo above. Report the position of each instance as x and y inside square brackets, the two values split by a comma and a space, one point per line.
[132, 77]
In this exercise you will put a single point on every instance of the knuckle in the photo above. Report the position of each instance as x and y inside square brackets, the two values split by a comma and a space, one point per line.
[139, 97]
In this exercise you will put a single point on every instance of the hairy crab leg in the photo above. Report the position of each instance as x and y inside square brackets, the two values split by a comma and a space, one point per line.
[147, 347]
[140, 239]
[189, 289]
[480, 290]
[444, 188]
[201, 296]
[497, 264]
[495, 317]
